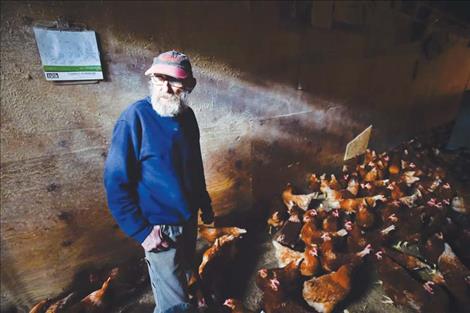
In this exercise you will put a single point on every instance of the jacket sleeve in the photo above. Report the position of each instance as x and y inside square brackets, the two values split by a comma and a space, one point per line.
[120, 180]
[204, 198]
[203, 195]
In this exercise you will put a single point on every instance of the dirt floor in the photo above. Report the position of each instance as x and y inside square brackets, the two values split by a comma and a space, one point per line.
[366, 297]
[257, 251]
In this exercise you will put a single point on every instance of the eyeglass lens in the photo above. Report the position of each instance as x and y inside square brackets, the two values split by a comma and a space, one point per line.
[172, 81]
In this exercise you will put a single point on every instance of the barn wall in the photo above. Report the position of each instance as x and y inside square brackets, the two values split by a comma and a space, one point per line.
[274, 100]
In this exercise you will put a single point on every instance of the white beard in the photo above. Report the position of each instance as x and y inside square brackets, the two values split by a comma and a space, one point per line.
[164, 104]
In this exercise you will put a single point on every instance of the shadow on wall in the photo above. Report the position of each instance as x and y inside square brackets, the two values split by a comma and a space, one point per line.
[287, 148]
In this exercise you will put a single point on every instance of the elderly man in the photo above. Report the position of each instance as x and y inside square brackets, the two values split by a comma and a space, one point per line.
[154, 179]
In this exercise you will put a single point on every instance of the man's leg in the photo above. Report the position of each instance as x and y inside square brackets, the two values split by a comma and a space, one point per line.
[188, 246]
[169, 269]
[168, 280]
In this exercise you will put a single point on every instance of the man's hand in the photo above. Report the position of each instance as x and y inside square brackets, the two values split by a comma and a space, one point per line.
[207, 216]
[155, 240]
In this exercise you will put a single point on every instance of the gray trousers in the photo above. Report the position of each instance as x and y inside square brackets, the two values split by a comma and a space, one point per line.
[170, 270]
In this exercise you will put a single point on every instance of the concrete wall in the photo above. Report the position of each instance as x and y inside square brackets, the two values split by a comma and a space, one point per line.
[275, 99]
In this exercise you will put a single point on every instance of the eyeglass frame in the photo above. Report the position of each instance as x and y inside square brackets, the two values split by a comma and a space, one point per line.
[175, 83]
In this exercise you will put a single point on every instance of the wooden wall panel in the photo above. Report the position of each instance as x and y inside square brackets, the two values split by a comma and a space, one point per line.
[227, 158]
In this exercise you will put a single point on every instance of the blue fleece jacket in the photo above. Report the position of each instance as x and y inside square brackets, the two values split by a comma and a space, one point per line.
[153, 174]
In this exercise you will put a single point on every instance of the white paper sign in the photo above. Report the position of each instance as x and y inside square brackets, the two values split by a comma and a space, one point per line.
[358, 145]
[69, 55]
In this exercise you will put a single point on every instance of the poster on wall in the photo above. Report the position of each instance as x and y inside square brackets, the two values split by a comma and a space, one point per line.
[68, 55]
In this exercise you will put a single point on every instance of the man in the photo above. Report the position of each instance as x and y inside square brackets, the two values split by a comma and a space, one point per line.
[154, 179]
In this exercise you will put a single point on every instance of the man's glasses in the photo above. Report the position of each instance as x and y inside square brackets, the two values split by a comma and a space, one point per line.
[160, 79]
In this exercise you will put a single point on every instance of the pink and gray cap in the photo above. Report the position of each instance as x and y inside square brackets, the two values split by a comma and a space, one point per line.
[174, 64]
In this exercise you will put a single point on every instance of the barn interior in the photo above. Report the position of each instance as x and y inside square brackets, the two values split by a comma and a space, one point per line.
[282, 88]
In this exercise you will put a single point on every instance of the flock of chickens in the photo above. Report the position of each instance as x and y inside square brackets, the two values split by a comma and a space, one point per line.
[103, 290]
[397, 210]
[98, 290]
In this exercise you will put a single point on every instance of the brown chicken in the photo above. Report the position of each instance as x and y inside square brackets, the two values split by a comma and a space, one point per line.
[313, 183]
[289, 306]
[364, 217]
[275, 222]
[236, 306]
[432, 248]
[356, 240]
[302, 201]
[126, 279]
[322, 213]
[353, 189]
[460, 244]
[382, 169]
[371, 175]
[409, 178]
[277, 285]
[384, 158]
[370, 156]
[310, 234]
[285, 255]
[395, 191]
[63, 304]
[390, 212]
[362, 170]
[373, 188]
[345, 177]
[331, 222]
[325, 292]
[217, 261]
[324, 183]
[408, 165]
[438, 172]
[372, 201]
[402, 289]
[445, 191]
[223, 250]
[456, 275]
[333, 183]
[353, 205]
[333, 196]
[411, 200]
[433, 217]
[310, 264]
[311, 216]
[394, 167]
[428, 186]
[409, 228]
[210, 233]
[332, 256]
[98, 301]
[196, 292]
[41, 306]
[415, 265]
[383, 236]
